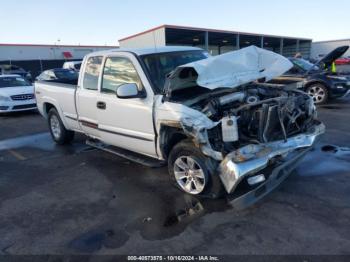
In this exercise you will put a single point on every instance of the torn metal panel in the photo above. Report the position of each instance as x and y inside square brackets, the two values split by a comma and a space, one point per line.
[193, 123]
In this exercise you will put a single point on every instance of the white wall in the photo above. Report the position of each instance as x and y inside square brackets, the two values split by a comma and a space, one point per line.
[155, 38]
[319, 49]
[18, 52]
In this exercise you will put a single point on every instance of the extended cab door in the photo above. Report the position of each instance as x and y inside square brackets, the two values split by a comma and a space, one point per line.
[126, 122]
[86, 96]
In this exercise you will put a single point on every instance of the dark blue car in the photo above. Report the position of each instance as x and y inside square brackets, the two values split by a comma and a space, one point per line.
[317, 79]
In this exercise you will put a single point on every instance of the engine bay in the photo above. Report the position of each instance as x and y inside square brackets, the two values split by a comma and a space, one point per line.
[256, 113]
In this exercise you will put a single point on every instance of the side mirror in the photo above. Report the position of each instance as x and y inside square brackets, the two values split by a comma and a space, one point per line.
[129, 91]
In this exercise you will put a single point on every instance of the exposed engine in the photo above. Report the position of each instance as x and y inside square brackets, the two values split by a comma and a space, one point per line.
[257, 114]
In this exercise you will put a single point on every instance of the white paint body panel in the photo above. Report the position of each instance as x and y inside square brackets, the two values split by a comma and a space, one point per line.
[62, 97]
[128, 122]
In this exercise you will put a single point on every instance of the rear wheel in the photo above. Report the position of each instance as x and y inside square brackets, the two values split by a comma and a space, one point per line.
[58, 132]
[318, 92]
[193, 172]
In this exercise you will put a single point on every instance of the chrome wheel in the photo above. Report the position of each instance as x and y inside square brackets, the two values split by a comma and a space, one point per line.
[55, 126]
[317, 93]
[189, 175]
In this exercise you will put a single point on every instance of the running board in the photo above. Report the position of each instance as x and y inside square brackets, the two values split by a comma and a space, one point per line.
[132, 156]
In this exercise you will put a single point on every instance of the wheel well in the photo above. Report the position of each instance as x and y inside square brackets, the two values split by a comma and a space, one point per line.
[170, 136]
[48, 107]
[314, 83]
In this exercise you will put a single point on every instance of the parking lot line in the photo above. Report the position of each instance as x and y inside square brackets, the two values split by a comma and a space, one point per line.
[17, 155]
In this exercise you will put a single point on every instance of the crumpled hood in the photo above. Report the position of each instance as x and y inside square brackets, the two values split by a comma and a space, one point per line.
[229, 70]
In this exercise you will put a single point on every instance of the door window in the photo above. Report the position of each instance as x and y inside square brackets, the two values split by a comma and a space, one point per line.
[119, 71]
[92, 72]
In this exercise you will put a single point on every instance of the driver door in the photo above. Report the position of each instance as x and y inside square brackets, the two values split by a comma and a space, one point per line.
[126, 122]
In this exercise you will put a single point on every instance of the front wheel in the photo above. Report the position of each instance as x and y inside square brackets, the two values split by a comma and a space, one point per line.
[193, 172]
[319, 93]
[58, 132]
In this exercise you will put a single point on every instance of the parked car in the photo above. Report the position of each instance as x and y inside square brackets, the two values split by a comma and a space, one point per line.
[316, 79]
[205, 117]
[16, 94]
[74, 65]
[59, 75]
[15, 70]
[343, 61]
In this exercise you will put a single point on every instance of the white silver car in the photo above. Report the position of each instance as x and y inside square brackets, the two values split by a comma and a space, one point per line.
[16, 94]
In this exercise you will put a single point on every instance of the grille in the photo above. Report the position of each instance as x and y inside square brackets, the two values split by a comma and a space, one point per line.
[22, 97]
[24, 106]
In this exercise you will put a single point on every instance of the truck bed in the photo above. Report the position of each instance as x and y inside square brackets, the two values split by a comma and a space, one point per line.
[62, 97]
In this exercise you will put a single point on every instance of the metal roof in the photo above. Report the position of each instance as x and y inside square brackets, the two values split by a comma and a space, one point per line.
[146, 51]
[59, 45]
[330, 41]
[209, 30]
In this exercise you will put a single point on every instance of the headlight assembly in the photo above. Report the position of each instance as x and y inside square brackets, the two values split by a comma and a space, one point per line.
[4, 98]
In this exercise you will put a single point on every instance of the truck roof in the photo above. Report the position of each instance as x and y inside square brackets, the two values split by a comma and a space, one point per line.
[147, 51]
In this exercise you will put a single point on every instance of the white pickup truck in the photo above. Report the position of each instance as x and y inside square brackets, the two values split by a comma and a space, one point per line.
[213, 120]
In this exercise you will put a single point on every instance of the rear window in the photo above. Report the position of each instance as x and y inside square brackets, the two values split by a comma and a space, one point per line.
[12, 82]
[92, 72]
[66, 74]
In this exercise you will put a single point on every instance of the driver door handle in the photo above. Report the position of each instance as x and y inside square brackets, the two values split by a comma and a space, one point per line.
[101, 105]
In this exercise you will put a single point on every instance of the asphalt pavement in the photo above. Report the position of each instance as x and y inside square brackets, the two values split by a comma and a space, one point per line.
[77, 200]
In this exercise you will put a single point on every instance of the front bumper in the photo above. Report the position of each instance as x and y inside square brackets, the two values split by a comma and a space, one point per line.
[15, 106]
[347, 93]
[277, 176]
[249, 160]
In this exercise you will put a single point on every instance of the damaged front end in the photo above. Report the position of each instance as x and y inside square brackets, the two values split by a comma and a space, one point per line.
[247, 163]
[254, 128]
[257, 132]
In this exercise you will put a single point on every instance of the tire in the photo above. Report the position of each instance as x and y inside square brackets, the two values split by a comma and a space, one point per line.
[319, 93]
[193, 172]
[58, 132]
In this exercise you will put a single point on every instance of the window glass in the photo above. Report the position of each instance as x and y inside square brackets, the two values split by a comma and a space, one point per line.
[119, 71]
[304, 64]
[92, 71]
[160, 65]
[12, 82]
[66, 74]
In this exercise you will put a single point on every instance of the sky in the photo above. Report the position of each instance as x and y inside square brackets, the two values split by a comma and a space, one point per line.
[103, 22]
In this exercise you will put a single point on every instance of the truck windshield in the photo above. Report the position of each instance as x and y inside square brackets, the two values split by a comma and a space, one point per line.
[12, 82]
[160, 65]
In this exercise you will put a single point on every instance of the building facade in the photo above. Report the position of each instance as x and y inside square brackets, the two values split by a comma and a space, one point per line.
[37, 58]
[321, 48]
[216, 41]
